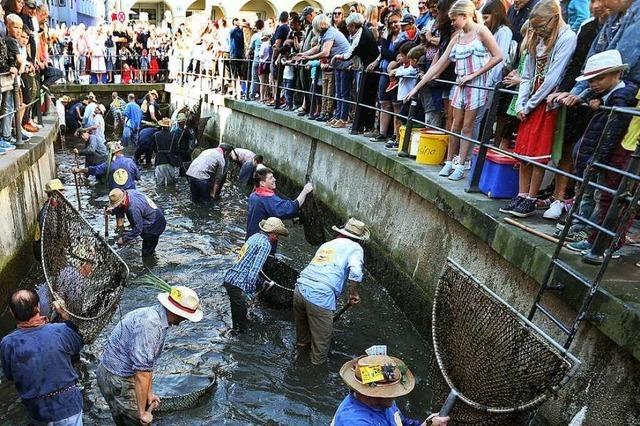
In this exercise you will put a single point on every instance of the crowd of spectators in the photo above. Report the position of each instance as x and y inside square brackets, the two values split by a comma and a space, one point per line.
[387, 55]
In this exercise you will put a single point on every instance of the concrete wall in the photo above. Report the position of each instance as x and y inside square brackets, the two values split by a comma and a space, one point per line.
[416, 230]
[23, 175]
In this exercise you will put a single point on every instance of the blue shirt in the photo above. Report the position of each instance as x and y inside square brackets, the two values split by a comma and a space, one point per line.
[265, 206]
[340, 45]
[143, 215]
[423, 20]
[39, 361]
[236, 43]
[133, 115]
[123, 172]
[322, 281]
[136, 341]
[253, 254]
[147, 137]
[352, 412]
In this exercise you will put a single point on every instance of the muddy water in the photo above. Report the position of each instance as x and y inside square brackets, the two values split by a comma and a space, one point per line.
[259, 379]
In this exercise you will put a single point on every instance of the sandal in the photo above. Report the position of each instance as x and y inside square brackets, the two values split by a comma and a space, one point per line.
[544, 204]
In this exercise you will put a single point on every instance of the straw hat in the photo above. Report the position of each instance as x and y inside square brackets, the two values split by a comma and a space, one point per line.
[601, 63]
[275, 225]
[154, 92]
[354, 229]
[115, 146]
[183, 302]
[91, 97]
[101, 108]
[65, 99]
[165, 122]
[116, 197]
[182, 117]
[397, 381]
[54, 185]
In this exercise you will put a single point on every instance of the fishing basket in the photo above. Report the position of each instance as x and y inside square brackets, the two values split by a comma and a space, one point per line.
[492, 360]
[179, 392]
[80, 267]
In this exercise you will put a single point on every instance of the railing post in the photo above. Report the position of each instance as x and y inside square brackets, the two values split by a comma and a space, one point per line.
[278, 85]
[38, 105]
[487, 131]
[612, 218]
[405, 143]
[16, 106]
[313, 97]
[249, 80]
[356, 114]
[182, 73]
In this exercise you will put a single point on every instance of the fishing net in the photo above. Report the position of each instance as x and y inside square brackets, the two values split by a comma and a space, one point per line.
[178, 392]
[80, 267]
[313, 228]
[279, 295]
[499, 363]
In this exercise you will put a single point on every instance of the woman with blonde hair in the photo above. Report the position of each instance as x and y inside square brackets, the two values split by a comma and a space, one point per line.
[549, 49]
[371, 19]
[474, 51]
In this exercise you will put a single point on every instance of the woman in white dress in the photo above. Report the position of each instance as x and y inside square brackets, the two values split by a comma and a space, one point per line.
[98, 52]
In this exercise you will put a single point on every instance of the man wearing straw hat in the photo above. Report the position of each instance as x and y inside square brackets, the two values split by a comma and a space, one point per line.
[243, 277]
[375, 381]
[145, 217]
[167, 159]
[321, 283]
[121, 172]
[53, 186]
[125, 373]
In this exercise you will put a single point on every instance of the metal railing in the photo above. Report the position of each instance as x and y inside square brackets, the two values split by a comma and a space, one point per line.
[15, 93]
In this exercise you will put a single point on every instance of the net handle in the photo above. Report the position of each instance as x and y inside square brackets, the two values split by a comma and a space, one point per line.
[446, 408]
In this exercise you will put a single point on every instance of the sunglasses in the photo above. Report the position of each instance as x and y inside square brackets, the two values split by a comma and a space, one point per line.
[337, 13]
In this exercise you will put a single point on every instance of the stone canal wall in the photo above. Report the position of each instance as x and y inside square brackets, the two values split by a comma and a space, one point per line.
[23, 175]
[417, 223]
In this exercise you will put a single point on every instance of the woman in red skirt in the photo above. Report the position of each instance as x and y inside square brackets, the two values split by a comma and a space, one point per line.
[549, 49]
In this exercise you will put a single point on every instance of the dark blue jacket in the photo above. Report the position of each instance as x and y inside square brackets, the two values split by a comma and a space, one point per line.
[146, 137]
[123, 172]
[617, 128]
[39, 361]
[236, 43]
[143, 216]
[263, 207]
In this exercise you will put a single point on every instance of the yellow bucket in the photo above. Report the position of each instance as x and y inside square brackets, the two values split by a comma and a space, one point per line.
[415, 140]
[432, 147]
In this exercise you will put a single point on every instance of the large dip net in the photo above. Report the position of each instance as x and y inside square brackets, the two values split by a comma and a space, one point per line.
[80, 267]
[499, 363]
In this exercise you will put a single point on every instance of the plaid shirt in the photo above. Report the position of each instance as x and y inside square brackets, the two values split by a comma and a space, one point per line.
[253, 254]
[117, 108]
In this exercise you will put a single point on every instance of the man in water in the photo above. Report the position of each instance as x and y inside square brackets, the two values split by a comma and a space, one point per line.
[371, 401]
[265, 203]
[146, 219]
[243, 277]
[167, 157]
[321, 283]
[207, 172]
[132, 118]
[50, 189]
[122, 172]
[95, 151]
[38, 357]
[248, 169]
[125, 372]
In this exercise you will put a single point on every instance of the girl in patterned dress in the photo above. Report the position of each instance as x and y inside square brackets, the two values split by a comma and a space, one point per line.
[474, 51]
[549, 50]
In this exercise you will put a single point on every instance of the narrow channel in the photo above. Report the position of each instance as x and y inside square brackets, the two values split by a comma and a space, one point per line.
[259, 380]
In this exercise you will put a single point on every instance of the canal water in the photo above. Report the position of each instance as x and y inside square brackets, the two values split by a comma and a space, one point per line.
[259, 379]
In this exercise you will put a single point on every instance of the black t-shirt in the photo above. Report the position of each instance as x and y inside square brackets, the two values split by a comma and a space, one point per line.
[281, 33]
[13, 50]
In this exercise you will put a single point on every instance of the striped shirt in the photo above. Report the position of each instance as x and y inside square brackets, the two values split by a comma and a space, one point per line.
[253, 254]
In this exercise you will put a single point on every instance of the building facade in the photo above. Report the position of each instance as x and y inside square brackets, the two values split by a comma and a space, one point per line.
[73, 12]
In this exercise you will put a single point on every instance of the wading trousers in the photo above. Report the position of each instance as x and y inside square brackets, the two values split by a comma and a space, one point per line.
[313, 325]
[119, 392]
[238, 302]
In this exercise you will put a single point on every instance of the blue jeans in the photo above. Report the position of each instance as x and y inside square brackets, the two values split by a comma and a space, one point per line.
[129, 136]
[344, 80]
[7, 122]
[288, 93]
[255, 87]
[588, 205]
[200, 190]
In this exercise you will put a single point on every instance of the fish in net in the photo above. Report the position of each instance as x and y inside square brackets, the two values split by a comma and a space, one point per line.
[80, 267]
[280, 295]
[492, 360]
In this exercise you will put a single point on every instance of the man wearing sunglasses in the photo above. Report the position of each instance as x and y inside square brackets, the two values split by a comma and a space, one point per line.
[425, 15]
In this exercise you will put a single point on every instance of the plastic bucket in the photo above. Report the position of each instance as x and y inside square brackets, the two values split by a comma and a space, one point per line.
[85, 79]
[432, 147]
[117, 78]
[415, 140]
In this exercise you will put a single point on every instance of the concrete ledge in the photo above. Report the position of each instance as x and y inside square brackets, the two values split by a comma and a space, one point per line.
[83, 89]
[23, 174]
[618, 298]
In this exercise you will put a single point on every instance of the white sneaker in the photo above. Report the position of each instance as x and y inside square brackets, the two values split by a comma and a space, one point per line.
[554, 211]
[467, 165]
[458, 172]
[27, 134]
[447, 169]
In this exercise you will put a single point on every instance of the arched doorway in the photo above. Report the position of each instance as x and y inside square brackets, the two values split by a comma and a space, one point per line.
[151, 11]
[197, 7]
[298, 7]
[258, 9]
[217, 12]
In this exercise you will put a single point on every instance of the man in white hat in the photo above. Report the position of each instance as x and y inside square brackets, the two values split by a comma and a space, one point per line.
[375, 382]
[243, 277]
[121, 172]
[53, 186]
[145, 217]
[61, 110]
[321, 283]
[125, 373]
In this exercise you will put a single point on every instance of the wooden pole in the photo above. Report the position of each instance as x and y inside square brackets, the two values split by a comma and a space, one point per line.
[75, 179]
[531, 230]
[106, 222]
[342, 310]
